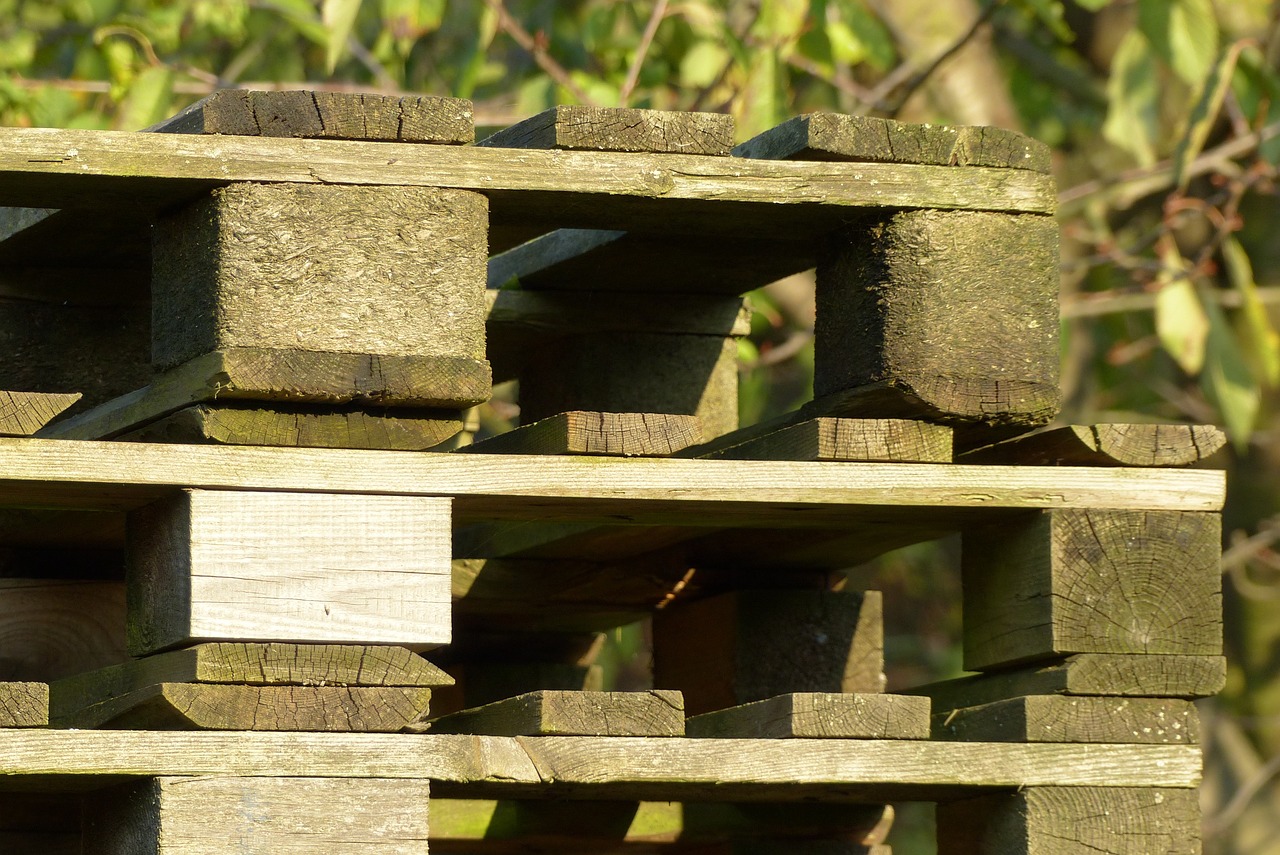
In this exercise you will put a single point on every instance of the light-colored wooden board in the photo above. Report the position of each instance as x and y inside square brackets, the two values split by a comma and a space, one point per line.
[870, 440]
[260, 816]
[1087, 581]
[588, 128]
[557, 713]
[1106, 445]
[24, 413]
[210, 706]
[295, 567]
[819, 715]
[1068, 820]
[595, 433]
[1064, 718]
[108, 475]
[1136, 675]
[73, 168]
[24, 704]
[604, 767]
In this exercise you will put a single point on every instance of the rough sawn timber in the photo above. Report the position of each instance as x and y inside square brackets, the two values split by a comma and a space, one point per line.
[598, 433]
[24, 413]
[619, 129]
[1106, 445]
[1064, 718]
[819, 715]
[656, 712]
[896, 440]
[27, 705]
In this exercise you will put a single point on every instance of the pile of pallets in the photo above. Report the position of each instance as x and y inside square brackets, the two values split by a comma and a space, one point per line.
[250, 320]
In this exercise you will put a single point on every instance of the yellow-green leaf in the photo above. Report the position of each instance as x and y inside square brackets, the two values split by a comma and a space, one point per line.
[1258, 335]
[1227, 379]
[147, 100]
[338, 17]
[1184, 33]
[1133, 99]
[1181, 323]
[1208, 103]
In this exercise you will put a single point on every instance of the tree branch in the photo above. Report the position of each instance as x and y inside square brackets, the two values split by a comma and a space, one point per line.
[522, 37]
[646, 40]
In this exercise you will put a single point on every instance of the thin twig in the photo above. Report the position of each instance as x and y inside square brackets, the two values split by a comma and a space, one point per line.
[646, 39]
[525, 40]
[1214, 825]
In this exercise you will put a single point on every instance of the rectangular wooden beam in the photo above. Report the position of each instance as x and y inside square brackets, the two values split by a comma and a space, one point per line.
[656, 712]
[819, 715]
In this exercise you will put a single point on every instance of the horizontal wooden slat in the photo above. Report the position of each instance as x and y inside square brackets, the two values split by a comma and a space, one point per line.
[599, 767]
[106, 474]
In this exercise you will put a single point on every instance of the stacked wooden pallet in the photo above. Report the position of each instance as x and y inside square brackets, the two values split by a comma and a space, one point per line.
[214, 601]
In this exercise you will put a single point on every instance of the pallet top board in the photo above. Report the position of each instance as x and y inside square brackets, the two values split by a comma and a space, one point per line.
[107, 475]
[676, 769]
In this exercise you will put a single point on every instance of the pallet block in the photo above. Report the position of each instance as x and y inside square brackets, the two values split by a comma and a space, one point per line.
[561, 713]
[819, 715]
[1063, 718]
[224, 565]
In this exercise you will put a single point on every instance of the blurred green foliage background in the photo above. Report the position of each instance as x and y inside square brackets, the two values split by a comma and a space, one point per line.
[1165, 120]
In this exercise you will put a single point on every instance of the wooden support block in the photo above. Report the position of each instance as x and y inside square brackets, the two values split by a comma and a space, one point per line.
[260, 816]
[25, 705]
[24, 413]
[1149, 675]
[206, 706]
[327, 115]
[327, 268]
[52, 628]
[608, 434]
[657, 712]
[302, 427]
[751, 645]
[301, 567]
[620, 129]
[1072, 821]
[954, 312]
[1106, 445]
[832, 136]
[291, 377]
[819, 715]
[872, 440]
[691, 375]
[1062, 718]
[1064, 582]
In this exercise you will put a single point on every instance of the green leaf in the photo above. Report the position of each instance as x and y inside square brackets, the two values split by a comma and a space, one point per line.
[702, 64]
[1183, 33]
[1051, 15]
[338, 17]
[1181, 324]
[881, 49]
[486, 29]
[1133, 99]
[1227, 379]
[1258, 335]
[846, 47]
[148, 99]
[1207, 106]
[1093, 5]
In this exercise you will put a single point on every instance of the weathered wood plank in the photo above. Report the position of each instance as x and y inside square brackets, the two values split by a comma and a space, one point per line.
[873, 440]
[609, 767]
[302, 427]
[1063, 582]
[824, 136]
[255, 373]
[209, 706]
[804, 494]
[594, 433]
[70, 168]
[1106, 445]
[1069, 820]
[1142, 675]
[818, 715]
[53, 628]
[25, 704]
[955, 311]
[260, 816]
[1062, 718]
[231, 566]
[327, 115]
[557, 713]
[24, 413]
[588, 128]
[744, 646]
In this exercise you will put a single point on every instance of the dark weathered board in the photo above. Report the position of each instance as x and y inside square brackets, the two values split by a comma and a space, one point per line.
[874, 440]
[24, 413]
[295, 376]
[1110, 820]
[595, 433]
[822, 715]
[619, 129]
[1106, 445]
[744, 646]
[1141, 675]
[657, 712]
[1064, 718]
[831, 136]
[512, 313]
[243, 423]
[209, 706]
[25, 704]
[957, 312]
[1063, 582]
[327, 115]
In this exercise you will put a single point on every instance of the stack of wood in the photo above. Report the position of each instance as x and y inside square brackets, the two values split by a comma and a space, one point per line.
[215, 601]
